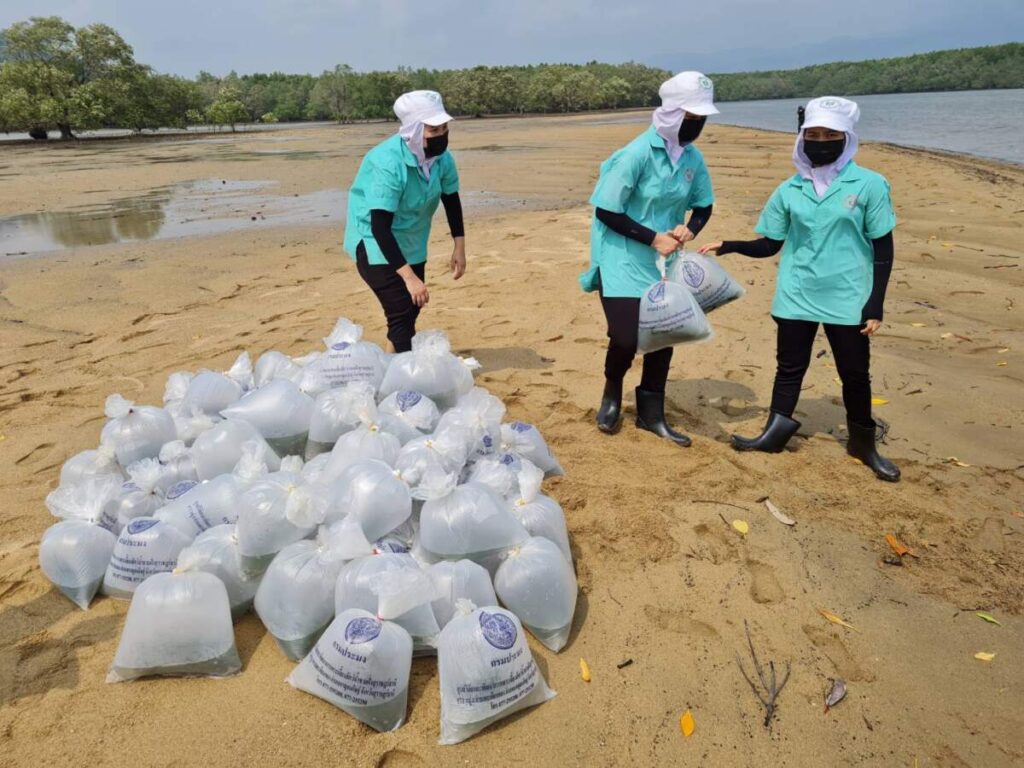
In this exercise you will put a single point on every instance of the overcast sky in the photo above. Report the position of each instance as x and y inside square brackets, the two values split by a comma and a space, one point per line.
[186, 36]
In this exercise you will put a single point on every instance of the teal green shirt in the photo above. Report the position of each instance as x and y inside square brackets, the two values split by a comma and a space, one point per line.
[826, 269]
[641, 181]
[389, 179]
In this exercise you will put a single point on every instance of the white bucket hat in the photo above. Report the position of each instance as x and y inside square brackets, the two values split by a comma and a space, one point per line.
[831, 112]
[692, 91]
[421, 107]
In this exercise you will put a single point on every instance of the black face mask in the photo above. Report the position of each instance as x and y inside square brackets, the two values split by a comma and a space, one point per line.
[690, 129]
[436, 145]
[823, 152]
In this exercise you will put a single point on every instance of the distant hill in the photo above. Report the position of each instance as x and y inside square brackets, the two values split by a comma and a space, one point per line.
[964, 69]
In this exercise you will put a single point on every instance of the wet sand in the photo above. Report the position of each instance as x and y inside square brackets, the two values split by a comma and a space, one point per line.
[665, 581]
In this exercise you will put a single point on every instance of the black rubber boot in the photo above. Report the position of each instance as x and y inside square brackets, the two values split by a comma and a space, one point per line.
[609, 417]
[772, 439]
[862, 446]
[650, 415]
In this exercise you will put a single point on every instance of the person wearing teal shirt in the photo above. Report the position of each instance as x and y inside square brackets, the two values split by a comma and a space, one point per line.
[640, 201]
[390, 207]
[833, 221]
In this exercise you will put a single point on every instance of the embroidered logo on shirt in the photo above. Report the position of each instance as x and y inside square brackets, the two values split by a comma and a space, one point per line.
[850, 202]
[689, 175]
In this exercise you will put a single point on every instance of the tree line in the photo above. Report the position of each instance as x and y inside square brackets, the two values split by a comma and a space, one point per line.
[54, 76]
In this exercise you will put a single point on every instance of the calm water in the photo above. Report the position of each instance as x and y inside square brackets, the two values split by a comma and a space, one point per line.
[983, 123]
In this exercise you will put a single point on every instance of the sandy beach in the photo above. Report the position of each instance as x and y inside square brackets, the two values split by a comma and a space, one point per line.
[665, 581]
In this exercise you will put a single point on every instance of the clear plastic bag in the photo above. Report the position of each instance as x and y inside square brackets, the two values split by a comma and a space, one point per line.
[86, 500]
[336, 412]
[218, 450]
[146, 546]
[95, 461]
[210, 392]
[362, 666]
[445, 451]
[538, 585]
[391, 585]
[670, 315]
[347, 359]
[487, 671]
[295, 600]
[176, 466]
[139, 497]
[468, 521]
[431, 369]
[73, 555]
[135, 431]
[281, 414]
[179, 624]
[370, 492]
[215, 551]
[540, 515]
[459, 580]
[274, 512]
[203, 506]
[705, 278]
[416, 410]
[370, 440]
[525, 441]
[496, 472]
[275, 365]
[190, 422]
[481, 413]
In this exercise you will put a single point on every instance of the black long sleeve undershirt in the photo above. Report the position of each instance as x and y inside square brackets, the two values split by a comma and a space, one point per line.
[453, 210]
[626, 226]
[381, 221]
[883, 258]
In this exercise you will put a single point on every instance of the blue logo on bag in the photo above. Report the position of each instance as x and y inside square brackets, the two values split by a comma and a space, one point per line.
[340, 346]
[129, 487]
[507, 459]
[657, 293]
[499, 630]
[407, 400]
[693, 274]
[141, 524]
[361, 630]
[180, 488]
[391, 546]
[488, 441]
[521, 426]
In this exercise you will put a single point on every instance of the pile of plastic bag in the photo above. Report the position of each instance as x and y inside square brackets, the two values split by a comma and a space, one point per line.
[369, 507]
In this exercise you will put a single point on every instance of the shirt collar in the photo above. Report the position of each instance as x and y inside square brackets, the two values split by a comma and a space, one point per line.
[407, 155]
[658, 142]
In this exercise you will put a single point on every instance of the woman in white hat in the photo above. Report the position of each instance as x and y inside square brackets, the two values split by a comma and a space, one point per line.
[641, 199]
[833, 221]
[390, 207]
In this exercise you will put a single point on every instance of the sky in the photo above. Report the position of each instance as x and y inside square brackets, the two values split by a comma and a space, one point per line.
[298, 36]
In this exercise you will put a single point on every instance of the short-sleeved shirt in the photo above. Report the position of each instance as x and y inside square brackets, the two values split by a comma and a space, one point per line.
[390, 179]
[641, 181]
[826, 270]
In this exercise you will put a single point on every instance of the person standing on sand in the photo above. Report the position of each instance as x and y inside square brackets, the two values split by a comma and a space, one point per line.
[390, 207]
[833, 221]
[641, 199]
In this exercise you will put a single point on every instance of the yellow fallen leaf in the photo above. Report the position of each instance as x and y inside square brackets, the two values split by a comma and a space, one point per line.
[988, 617]
[741, 526]
[1004, 349]
[982, 656]
[686, 724]
[1001, 364]
[955, 460]
[584, 671]
[837, 380]
[836, 620]
[947, 245]
[879, 401]
[897, 546]
[919, 325]
[946, 336]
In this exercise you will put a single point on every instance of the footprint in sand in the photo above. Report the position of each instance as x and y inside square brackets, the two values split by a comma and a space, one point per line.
[677, 621]
[713, 544]
[836, 652]
[764, 587]
[399, 758]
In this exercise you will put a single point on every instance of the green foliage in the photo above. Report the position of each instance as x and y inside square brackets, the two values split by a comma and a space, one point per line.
[997, 66]
[53, 75]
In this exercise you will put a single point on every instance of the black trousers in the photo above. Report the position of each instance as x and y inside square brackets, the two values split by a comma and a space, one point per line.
[389, 287]
[623, 316]
[852, 351]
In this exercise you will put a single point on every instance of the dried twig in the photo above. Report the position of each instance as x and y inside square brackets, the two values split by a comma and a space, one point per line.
[770, 684]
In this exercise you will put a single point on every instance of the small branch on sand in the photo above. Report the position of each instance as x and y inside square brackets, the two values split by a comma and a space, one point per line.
[772, 688]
